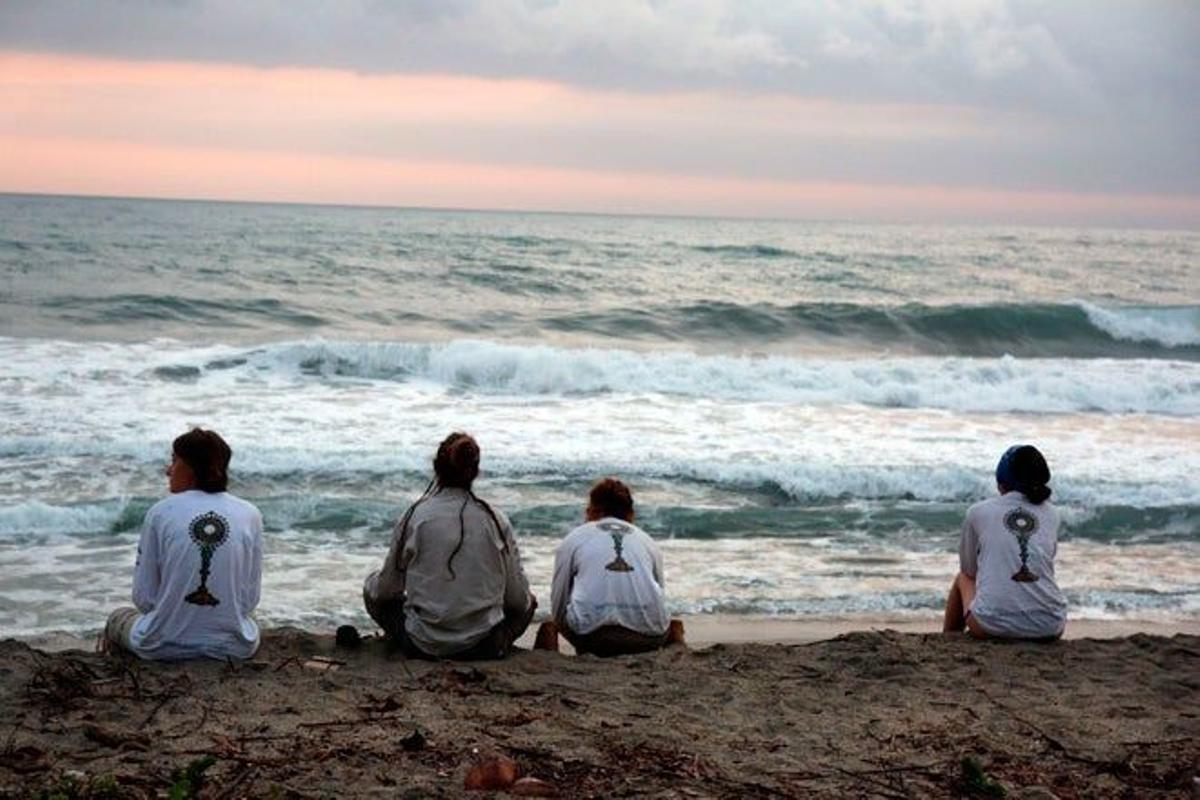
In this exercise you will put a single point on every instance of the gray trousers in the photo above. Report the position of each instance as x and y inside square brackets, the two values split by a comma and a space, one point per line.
[389, 615]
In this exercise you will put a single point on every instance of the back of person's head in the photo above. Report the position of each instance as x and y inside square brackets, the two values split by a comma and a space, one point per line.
[207, 455]
[456, 464]
[610, 497]
[1022, 468]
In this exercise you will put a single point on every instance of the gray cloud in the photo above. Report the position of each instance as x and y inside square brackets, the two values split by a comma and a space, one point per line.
[1090, 95]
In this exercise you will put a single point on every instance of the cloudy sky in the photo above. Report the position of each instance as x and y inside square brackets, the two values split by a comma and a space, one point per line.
[1060, 111]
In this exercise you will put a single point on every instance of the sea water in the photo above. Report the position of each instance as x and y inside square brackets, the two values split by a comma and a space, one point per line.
[803, 410]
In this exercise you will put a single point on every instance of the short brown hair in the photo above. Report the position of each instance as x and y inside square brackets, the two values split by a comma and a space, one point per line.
[612, 498]
[207, 454]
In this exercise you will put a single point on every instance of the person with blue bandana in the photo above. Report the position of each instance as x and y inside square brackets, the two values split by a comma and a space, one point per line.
[1006, 587]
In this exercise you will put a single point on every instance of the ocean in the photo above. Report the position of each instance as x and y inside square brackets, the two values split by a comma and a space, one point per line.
[803, 410]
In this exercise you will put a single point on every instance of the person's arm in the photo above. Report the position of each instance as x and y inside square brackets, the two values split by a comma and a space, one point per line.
[251, 588]
[391, 580]
[968, 547]
[516, 585]
[146, 571]
[657, 555]
[564, 579]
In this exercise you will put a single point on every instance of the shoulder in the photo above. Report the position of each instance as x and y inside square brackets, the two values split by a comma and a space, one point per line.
[1047, 510]
[483, 507]
[235, 505]
[983, 507]
[170, 506]
[578, 533]
[164, 506]
[501, 517]
[239, 503]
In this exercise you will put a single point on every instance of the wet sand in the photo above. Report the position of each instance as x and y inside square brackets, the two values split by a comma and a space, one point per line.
[867, 714]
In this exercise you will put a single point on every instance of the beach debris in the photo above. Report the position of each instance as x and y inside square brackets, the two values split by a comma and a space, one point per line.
[463, 680]
[491, 773]
[533, 787]
[24, 759]
[414, 741]
[976, 782]
[75, 784]
[1035, 793]
[61, 682]
[347, 637]
[380, 705]
[186, 782]
[115, 737]
[323, 664]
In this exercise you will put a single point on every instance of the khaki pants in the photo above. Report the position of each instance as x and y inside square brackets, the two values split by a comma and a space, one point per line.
[119, 628]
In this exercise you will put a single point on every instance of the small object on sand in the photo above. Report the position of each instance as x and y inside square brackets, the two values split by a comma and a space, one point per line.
[491, 774]
[976, 782]
[323, 664]
[347, 637]
[534, 787]
[115, 738]
[414, 741]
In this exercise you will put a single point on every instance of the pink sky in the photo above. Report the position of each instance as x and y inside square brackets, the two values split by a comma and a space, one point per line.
[80, 125]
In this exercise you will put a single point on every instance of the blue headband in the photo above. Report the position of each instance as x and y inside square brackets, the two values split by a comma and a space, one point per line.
[1004, 470]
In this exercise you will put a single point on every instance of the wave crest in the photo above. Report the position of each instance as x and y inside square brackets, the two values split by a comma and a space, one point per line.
[961, 384]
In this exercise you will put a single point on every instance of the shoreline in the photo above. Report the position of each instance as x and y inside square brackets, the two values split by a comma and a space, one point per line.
[706, 630]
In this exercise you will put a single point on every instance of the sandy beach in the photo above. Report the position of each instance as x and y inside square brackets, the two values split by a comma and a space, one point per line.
[867, 714]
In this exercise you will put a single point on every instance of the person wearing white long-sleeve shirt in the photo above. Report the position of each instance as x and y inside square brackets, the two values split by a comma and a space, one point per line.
[198, 575]
[1006, 586]
[608, 595]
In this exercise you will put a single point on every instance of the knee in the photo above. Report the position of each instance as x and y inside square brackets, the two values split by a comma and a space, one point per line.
[370, 583]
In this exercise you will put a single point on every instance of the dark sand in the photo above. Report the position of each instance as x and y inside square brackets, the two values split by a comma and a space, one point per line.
[879, 714]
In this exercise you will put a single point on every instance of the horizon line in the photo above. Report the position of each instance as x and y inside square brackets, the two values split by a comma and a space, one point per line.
[5, 193]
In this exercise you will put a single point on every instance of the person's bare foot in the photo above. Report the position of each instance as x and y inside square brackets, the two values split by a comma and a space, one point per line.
[547, 637]
[675, 632]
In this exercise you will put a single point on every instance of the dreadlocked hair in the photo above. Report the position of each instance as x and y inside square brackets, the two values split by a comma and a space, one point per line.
[456, 466]
[402, 525]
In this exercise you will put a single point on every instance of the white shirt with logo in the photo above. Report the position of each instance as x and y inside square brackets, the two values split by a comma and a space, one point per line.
[198, 578]
[1008, 544]
[609, 572]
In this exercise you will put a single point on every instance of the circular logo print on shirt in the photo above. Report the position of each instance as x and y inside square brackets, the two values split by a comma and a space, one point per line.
[1020, 522]
[209, 530]
[618, 531]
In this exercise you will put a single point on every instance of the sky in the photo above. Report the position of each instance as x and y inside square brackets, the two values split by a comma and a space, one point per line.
[1010, 111]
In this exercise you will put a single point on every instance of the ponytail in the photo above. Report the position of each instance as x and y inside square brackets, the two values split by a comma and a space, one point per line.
[1037, 494]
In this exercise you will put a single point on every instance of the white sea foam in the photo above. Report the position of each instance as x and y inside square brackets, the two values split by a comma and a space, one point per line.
[99, 418]
[961, 384]
[488, 368]
[1173, 327]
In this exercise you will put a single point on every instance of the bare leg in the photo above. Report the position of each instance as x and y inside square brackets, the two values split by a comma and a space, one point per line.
[675, 632]
[547, 637]
[958, 603]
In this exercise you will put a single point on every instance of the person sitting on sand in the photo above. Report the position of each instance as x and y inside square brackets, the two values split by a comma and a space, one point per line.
[199, 564]
[452, 583]
[607, 594]
[1006, 587]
